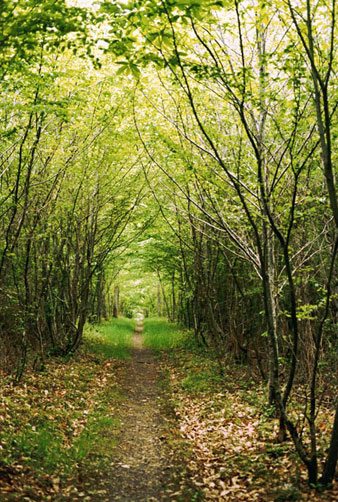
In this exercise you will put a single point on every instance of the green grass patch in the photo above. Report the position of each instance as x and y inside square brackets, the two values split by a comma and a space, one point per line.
[59, 438]
[202, 373]
[40, 447]
[98, 438]
[159, 334]
[112, 339]
[202, 379]
[58, 424]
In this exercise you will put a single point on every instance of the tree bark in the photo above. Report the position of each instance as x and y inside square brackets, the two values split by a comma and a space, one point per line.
[332, 457]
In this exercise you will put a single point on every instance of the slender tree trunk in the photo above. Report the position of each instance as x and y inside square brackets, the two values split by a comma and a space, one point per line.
[271, 314]
[116, 303]
[173, 295]
[159, 300]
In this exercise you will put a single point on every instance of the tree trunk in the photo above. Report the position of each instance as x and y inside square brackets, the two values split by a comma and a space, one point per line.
[173, 295]
[332, 456]
[159, 300]
[116, 304]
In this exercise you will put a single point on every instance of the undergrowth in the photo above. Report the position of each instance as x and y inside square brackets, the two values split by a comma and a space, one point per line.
[112, 338]
[160, 335]
[227, 431]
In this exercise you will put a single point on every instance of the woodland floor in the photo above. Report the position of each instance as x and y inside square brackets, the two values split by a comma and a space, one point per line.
[145, 425]
[116, 428]
[141, 471]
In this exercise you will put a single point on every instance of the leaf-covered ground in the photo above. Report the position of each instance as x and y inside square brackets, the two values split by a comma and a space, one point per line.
[226, 435]
[58, 427]
[89, 428]
[223, 430]
[71, 432]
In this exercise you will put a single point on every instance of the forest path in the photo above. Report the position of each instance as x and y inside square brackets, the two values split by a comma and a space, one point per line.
[141, 469]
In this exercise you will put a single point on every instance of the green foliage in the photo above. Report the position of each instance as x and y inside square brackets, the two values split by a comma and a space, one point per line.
[42, 445]
[138, 292]
[30, 27]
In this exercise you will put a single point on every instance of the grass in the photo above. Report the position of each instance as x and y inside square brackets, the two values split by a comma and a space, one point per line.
[202, 379]
[202, 373]
[97, 439]
[159, 335]
[46, 448]
[59, 435]
[111, 339]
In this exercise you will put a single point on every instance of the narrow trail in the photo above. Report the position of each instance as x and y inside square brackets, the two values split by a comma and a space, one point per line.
[141, 470]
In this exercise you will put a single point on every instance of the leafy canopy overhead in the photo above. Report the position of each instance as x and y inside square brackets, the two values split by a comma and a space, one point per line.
[28, 26]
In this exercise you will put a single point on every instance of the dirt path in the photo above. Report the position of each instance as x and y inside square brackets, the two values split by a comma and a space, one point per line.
[141, 470]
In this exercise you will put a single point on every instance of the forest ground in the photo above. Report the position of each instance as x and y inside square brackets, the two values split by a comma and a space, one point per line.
[144, 418]
[141, 470]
